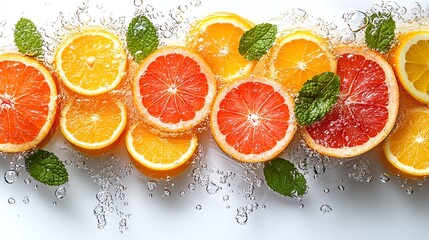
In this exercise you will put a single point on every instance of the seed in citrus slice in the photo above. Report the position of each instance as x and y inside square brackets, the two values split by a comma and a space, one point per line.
[407, 147]
[298, 57]
[252, 119]
[158, 155]
[174, 89]
[93, 123]
[28, 103]
[216, 38]
[91, 62]
[366, 110]
[410, 60]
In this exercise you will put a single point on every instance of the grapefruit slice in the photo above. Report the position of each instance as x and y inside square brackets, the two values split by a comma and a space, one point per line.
[252, 119]
[366, 110]
[28, 103]
[174, 89]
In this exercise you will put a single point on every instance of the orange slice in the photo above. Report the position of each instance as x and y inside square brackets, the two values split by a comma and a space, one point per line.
[410, 60]
[252, 119]
[216, 38]
[407, 147]
[91, 62]
[174, 89]
[93, 124]
[157, 155]
[366, 110]
[28, 103]
[298, 57]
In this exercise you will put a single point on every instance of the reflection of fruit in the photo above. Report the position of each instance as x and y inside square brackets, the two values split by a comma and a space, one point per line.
[174, 89]
[297, 57]
[93, 124]
[366, 110]
[216, 38]
[252, 119]
[407, 147]
[159, 156]
[28, 103]
[91, 62]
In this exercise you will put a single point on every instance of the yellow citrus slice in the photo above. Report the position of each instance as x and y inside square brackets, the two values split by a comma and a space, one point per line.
[93, 124]
[216, 38]
[410, 60]
[157, 155]
[407, 147]
[297, 57]
[91, 62]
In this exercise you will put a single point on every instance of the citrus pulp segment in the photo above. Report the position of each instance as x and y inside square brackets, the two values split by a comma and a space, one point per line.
[216, 38]
[159, 155]
[252, 119]
[28, 103]
[407, 147]
[91, 62]
[410, 58]
[93, 123]
[297, 57]
[366, 110]
[174, 89]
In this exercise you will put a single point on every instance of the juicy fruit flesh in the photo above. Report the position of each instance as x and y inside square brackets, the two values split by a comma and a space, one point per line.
[298, 61]
[218, 45]
[91, 66]
[173, 88]
[24, 102]
[410, 141]
[416, 65]
[361, 112]
[253, 117]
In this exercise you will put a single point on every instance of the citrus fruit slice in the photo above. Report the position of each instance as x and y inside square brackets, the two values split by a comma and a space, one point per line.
[93, 124]
[252, 119]
[174, 89]
[216, 38]
[366, 110]
[91, 62]
[28, 103]
[410, 61]
[297, 57]
[157, 155]
[407, 147]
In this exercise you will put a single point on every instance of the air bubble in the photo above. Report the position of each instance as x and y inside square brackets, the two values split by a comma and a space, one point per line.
[325, 208]
[384, 178]
[409, 190]
[60, 193]
[198, 207]
[151, 185]
[11, 200]
[10, 176]
[26, 200]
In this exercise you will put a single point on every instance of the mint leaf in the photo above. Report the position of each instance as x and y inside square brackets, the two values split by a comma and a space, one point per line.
[142, 38]
[283, 177]
[257, 41]
[380, 32]
[316, 98]
[46, 168]
[28, 40]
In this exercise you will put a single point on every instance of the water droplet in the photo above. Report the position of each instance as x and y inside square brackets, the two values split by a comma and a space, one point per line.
[319, 168]
[149, 8]
[212, 188]
[27, 181]
[138, 3]
[369, 179]
[150, 195]
[182, 193]
[167, 193]
[11, 200]
[198, 207]
[54, 203]
[98, 210]
[341, 188]
[227, 206]
[103, 196]
[101, 221]
[60, 193]
[356, 20]
[325, 208]
[123, 223]
[301, 205]
[168, 178]
[36, 186]
[409, 190]
[151, 185]
[191, 186]
[264, 206]
[384, 178]
[26, 200]
[326, 190]
[10, 176]
[241, 216]
[225, 197]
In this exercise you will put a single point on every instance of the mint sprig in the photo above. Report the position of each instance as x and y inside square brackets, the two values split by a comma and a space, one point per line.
[316, 98]
[380, 32]
[46, 168]
[257, 41]
[142, 38]
[283, 177]
[27, 39]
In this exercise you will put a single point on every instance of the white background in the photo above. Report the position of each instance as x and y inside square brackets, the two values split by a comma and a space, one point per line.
[373, 210]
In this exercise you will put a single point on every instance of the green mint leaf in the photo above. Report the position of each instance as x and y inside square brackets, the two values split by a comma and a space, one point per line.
[257, 41]
[380, 32]
[142, 38]
[46, 168]
[28, 40]
[316, 98]
[283, 177]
